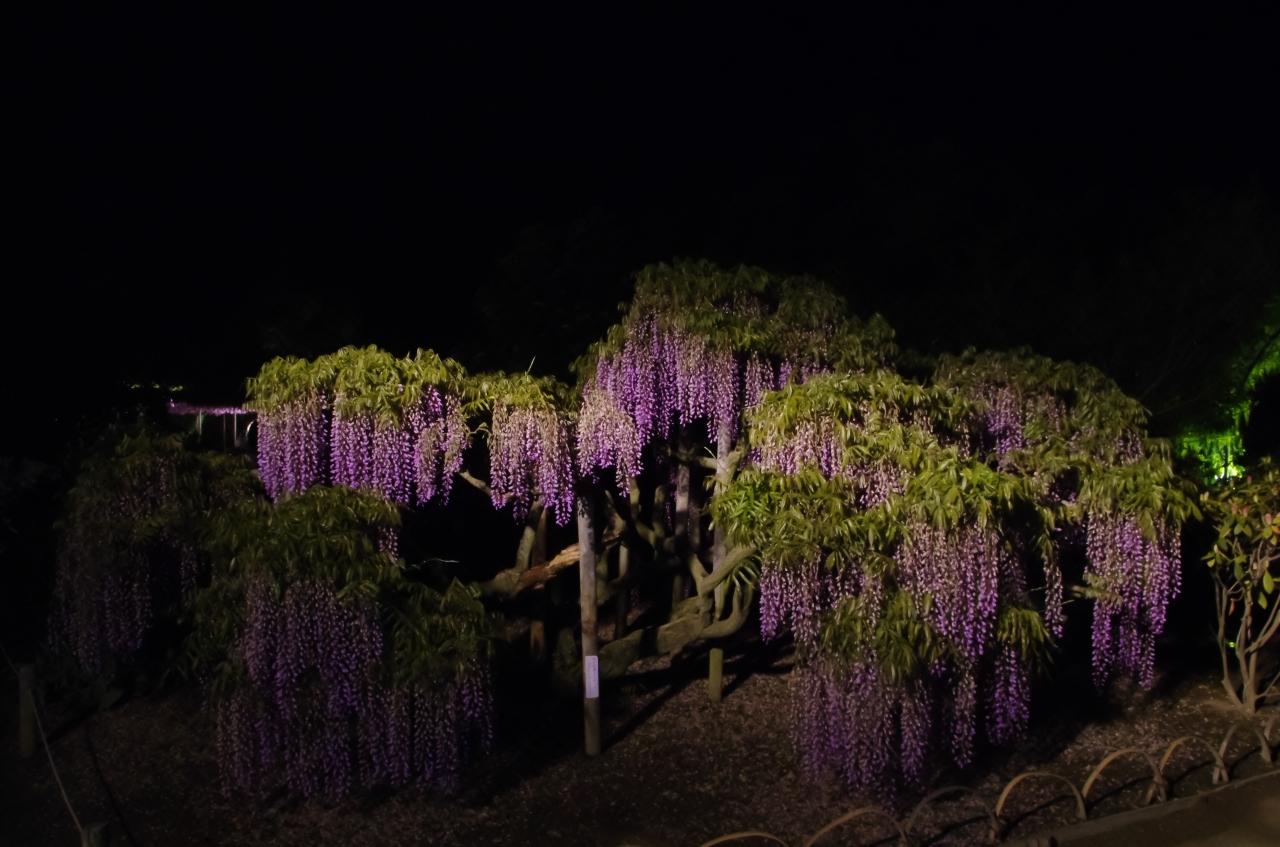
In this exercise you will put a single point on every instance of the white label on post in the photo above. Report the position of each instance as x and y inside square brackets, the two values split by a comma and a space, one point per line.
[591, 674]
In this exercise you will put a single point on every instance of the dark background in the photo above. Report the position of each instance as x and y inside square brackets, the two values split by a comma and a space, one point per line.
[198, 190]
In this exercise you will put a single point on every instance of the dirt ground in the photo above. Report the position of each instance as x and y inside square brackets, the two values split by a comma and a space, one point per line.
[676, 771]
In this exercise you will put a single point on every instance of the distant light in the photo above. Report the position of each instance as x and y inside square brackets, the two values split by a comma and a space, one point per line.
[176, 408]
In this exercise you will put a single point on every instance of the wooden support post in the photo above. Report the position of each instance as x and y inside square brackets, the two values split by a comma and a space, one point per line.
[679, 587]
[695, 525]
[540, 538]
[587, 608]
[538, 624]
[715, 674]
[723, 472]
[26, 710]
[715, 671]
[678, 584]
[94, 835]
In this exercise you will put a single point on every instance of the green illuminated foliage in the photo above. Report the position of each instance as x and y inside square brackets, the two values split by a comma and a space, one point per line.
[331, 536]
[749, 310]
[360, 380]
[134, 542]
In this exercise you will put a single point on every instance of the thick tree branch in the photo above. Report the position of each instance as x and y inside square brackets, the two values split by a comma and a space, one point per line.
[477, 483]
[687, 457]
[1266, 692]
[528, 538]
[683, 629]
[645, 533]
[1268, 630]
[741, 607]
[1220, 595]
[512, 581]
[732, 560]
[697, 570]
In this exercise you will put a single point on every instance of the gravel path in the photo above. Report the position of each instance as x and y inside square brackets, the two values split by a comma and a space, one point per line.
[676, 771]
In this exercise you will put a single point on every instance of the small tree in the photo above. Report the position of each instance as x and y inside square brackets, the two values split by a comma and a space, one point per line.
[910, 536]
[385, 433]
[1245, 563]
[664, 397]
[331, 668]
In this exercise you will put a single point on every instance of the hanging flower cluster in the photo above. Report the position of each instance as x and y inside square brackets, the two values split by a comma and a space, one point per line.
[1097, 464]
[959, 571]
[795, 598]
[663, 376]
[411, 457]
[703, 345]
[1009, 704]
[340, 672]
[438, 434]
[292, 443]
[812, 443]
[130, 545]
[1135, 578]
[530, 456]
[862, 716]
[530, 438]
[1004, 419]
[607, 436]
[363, 419]
[317, 709]
[843, 722]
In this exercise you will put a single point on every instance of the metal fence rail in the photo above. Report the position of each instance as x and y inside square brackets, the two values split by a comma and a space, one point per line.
[27, 702]
[1262, 736]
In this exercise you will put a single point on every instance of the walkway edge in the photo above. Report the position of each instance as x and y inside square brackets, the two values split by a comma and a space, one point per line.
[1100, 826]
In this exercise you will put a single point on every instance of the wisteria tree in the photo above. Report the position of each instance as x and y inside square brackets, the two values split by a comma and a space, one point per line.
[917, 538]
[660, 424]
[396, 431]
[1119, 504]
[331, 668]
[912, 539]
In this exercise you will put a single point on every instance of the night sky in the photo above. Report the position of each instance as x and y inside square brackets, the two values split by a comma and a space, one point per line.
[199, 191]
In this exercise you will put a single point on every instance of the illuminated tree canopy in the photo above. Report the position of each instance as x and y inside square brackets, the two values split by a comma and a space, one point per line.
[915, 529]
